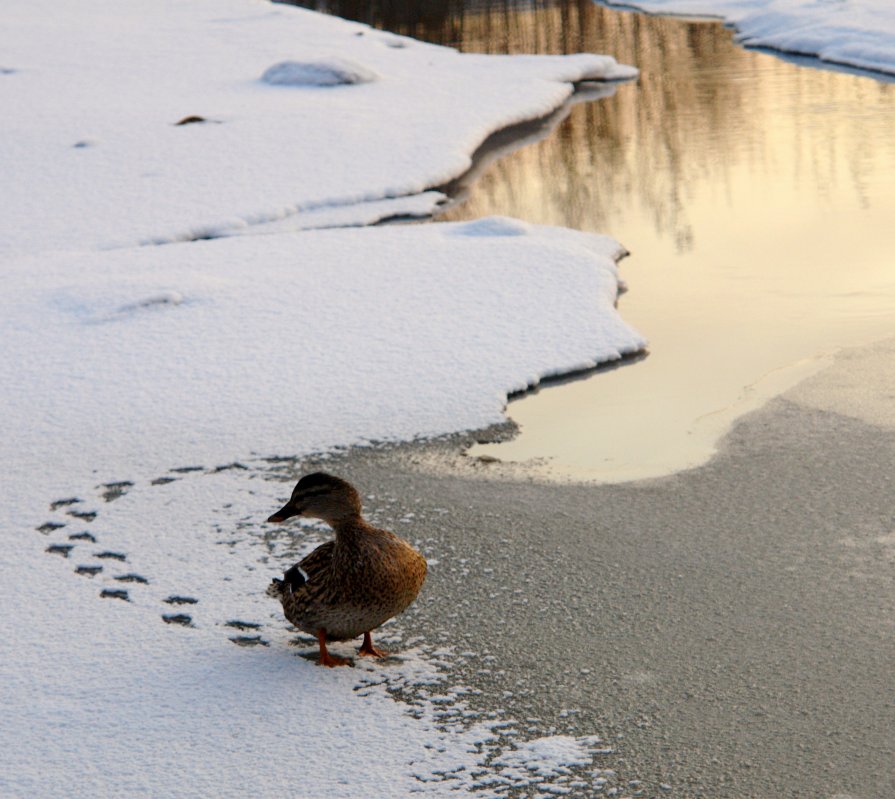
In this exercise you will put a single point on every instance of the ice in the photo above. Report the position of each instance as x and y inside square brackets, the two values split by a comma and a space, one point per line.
[857, 33]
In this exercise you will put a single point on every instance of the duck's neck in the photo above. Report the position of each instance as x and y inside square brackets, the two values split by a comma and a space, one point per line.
[348, 527]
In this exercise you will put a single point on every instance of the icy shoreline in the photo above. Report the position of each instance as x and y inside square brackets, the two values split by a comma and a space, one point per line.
[859, 34]
[139, 376]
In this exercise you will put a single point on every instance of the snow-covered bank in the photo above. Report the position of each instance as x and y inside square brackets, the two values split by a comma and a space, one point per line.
[124, 363]
[289, 344]
[856, 33]
[93, 156]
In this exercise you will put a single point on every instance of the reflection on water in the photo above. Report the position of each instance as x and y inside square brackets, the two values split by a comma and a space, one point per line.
[755, 195]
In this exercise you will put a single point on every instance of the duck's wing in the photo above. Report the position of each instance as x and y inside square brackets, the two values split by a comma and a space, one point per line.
[305, 587]
[312, 567]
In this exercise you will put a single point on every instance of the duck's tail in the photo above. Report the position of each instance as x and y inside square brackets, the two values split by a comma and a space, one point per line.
[275, 589]
[292, 580]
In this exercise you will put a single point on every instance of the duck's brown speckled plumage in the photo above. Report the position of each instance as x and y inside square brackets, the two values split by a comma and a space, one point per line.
[349, 586]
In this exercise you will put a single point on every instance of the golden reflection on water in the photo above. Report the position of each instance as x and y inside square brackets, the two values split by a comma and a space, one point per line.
[758, 201]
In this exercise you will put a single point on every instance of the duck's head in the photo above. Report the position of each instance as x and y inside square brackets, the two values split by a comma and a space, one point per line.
[321, 496]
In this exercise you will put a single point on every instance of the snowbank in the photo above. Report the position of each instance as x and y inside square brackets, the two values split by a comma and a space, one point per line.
[857, 33]
[289, 344]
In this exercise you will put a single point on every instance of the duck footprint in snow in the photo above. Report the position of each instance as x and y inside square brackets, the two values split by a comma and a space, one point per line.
[89, 571]
[180, 600]
[116, 490]
[62, 503]
[115, 539]
[183, 619]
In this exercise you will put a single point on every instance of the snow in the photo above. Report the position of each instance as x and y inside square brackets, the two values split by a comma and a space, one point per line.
[551, 755]
[290, 344]
[856, 33]
[332, 72]
[150, 377]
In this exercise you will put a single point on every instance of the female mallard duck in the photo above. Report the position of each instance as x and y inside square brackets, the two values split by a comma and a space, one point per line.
[349, 586]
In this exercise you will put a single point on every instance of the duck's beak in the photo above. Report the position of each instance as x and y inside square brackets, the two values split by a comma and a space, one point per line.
[286, 512]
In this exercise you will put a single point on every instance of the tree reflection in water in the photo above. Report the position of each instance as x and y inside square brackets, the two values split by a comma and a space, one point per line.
[702, 106]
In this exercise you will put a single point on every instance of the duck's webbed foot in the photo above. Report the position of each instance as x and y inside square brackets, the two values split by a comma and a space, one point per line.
[368, 650]
[327, 659]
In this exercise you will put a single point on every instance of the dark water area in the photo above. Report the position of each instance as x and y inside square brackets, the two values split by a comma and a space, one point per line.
[755, 195]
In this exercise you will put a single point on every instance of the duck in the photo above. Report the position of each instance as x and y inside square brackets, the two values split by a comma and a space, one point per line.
[351, 585]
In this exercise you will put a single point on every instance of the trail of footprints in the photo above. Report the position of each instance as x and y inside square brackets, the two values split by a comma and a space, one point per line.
[86, 543]
[87, 552]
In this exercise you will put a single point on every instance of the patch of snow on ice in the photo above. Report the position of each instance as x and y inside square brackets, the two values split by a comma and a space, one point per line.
[551, 756]
[329, 72]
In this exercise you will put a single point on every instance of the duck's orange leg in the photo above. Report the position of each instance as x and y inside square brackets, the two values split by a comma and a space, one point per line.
[369, 650]
[327, 659]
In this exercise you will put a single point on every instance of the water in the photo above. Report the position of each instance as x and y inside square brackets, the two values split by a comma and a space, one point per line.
[757, 198]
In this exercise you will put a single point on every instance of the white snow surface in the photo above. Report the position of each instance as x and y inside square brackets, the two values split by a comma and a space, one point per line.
[332, 72]
[856, 33]
[293, 343]
[125, 364]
